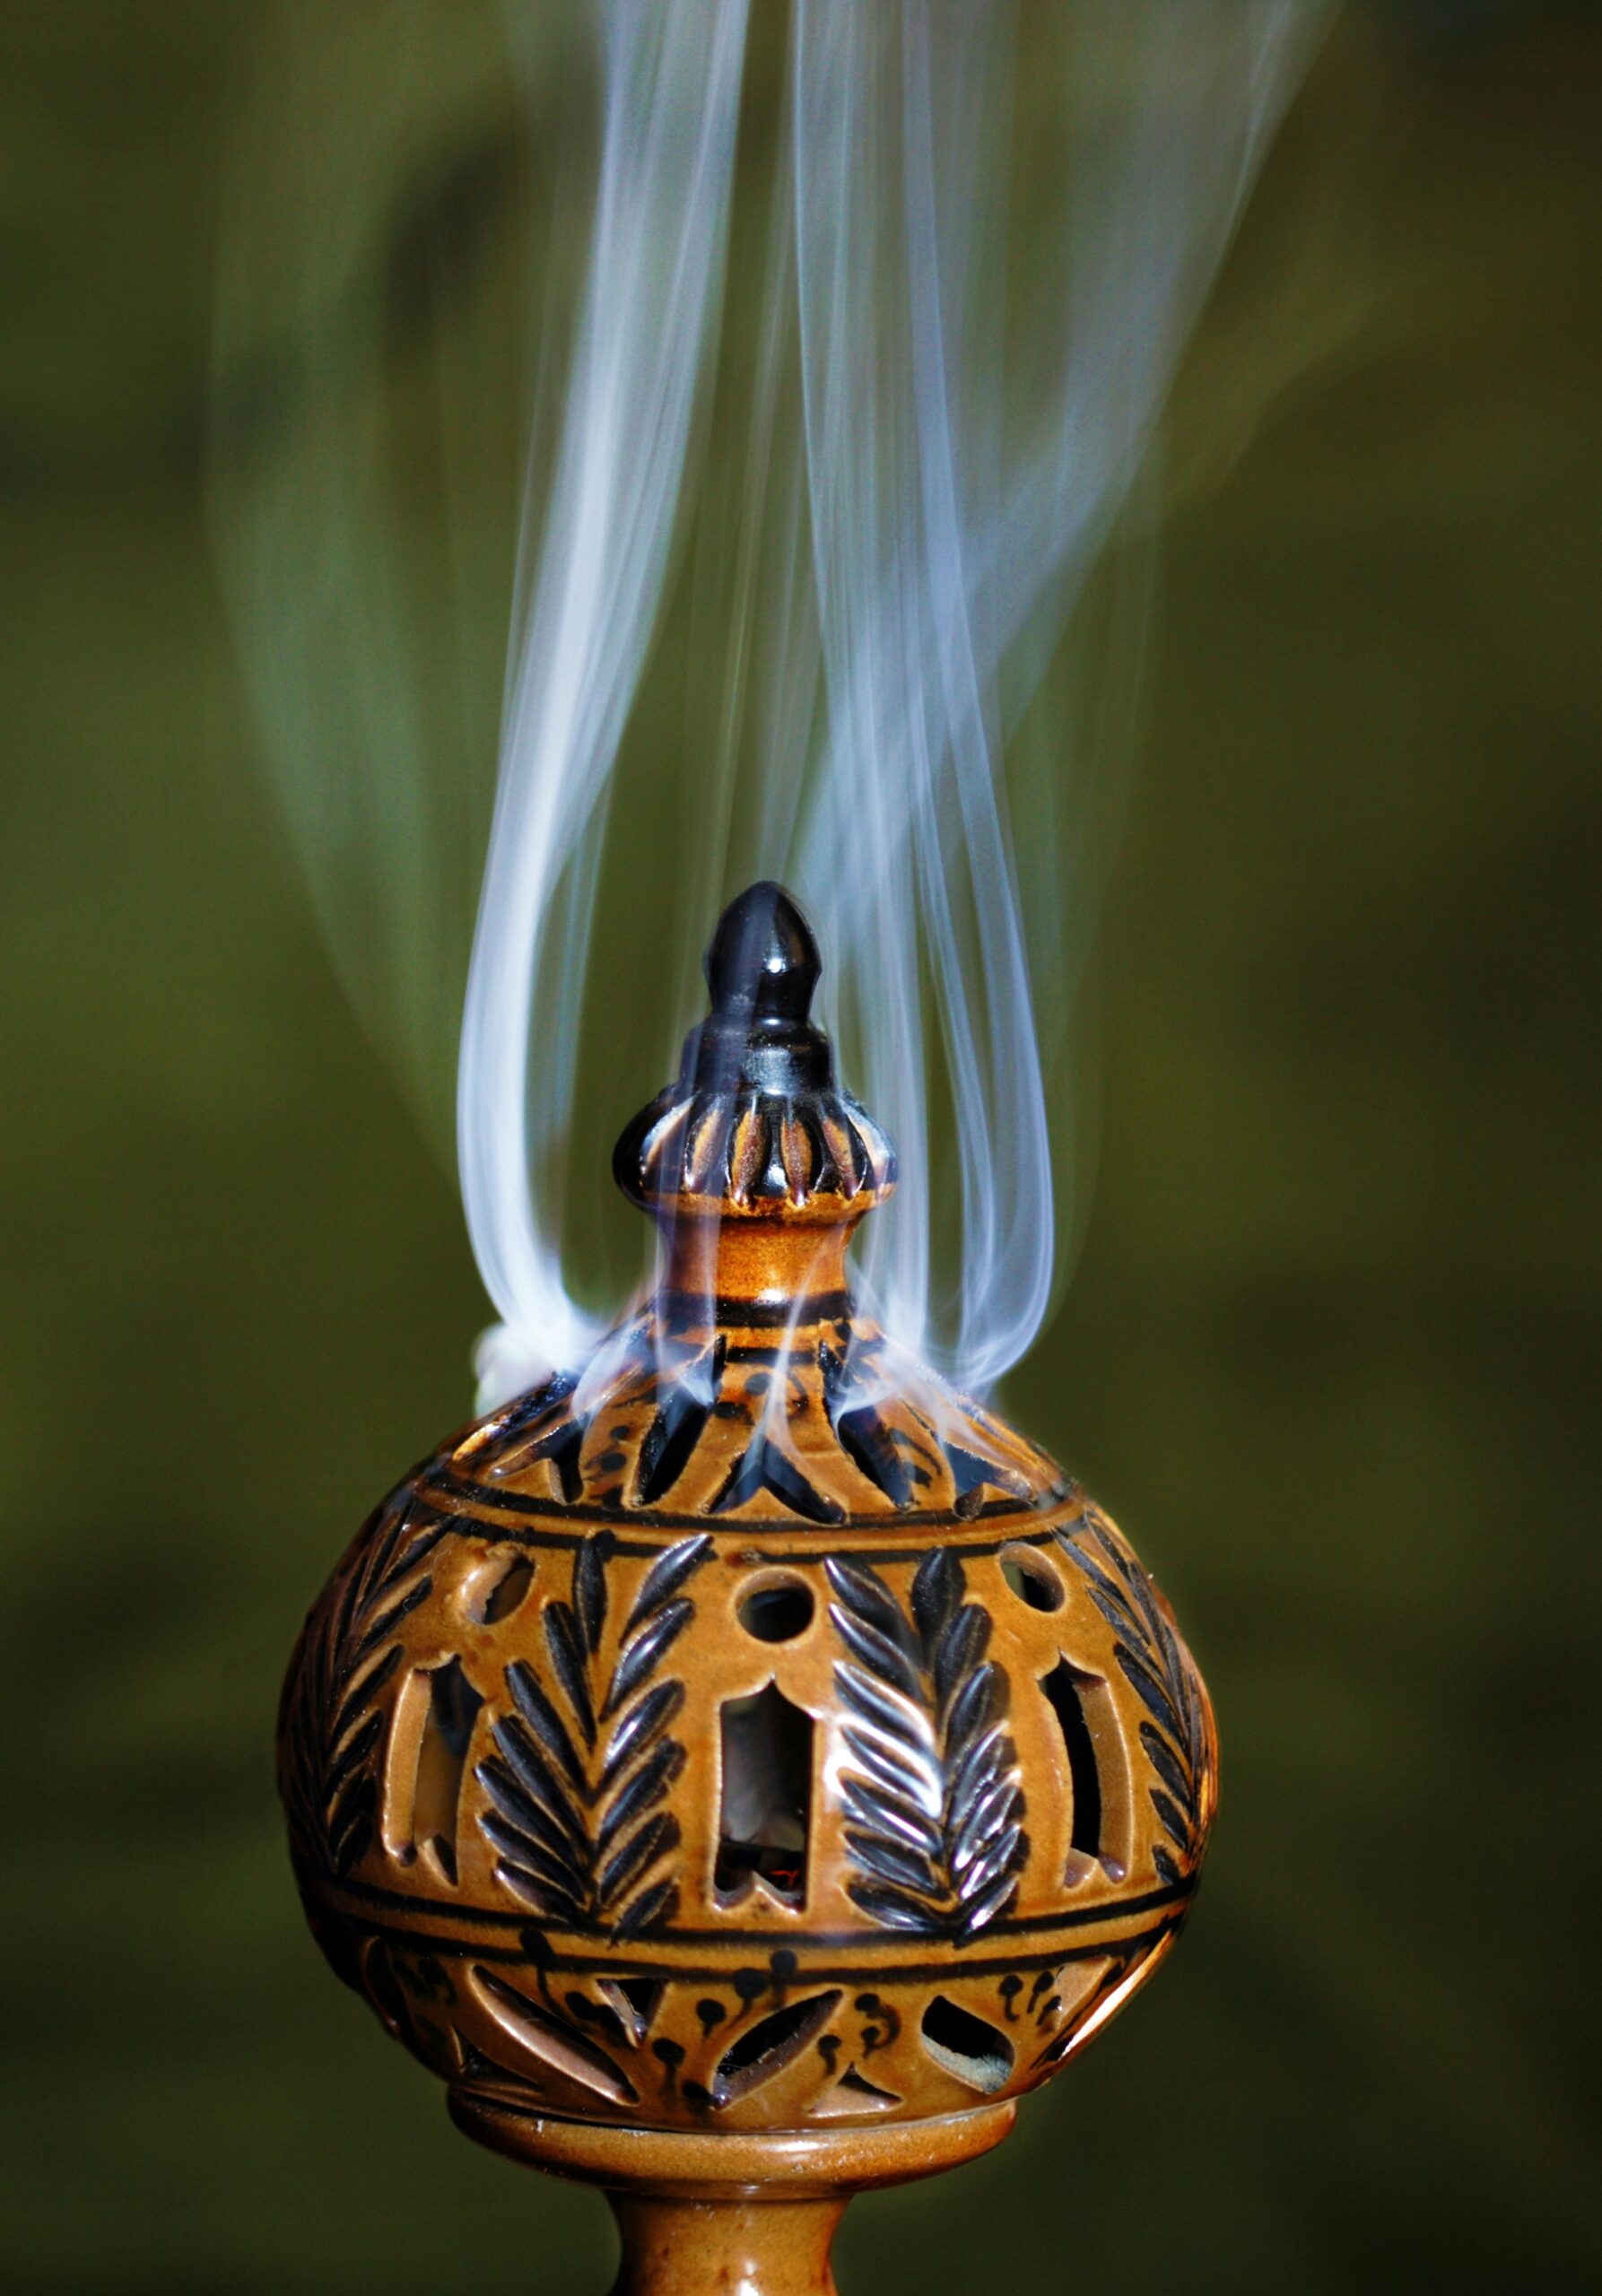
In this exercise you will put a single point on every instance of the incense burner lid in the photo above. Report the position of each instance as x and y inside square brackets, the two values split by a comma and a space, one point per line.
[754, 1120]
[743, 1736]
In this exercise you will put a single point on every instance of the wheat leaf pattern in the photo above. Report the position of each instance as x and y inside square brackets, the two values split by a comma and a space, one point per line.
[1173, 1733]
[576, 1788]
[336, 1732]
[935, 1810]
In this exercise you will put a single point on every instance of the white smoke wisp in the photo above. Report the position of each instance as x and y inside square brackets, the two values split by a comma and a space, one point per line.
[956, 496]
[898, 436]
[594, 561]
[955, 521]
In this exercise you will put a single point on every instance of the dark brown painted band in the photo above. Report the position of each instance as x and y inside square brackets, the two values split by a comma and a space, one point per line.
[447, 1491]
[688, 1311]
[1167, 1898]
[884, 1978]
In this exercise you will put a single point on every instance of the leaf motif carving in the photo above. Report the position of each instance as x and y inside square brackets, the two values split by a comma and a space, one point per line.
[1173, 1732]
[576, 1788]
[934, 1807]
[336, 1735]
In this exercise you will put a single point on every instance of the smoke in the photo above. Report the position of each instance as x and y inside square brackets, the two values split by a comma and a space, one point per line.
[893, 419]
[591, 581]
[967, 449]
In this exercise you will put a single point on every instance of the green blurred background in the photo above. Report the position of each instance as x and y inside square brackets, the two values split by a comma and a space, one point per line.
[1330, 1351]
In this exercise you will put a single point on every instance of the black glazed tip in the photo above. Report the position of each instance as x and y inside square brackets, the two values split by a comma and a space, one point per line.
[763, 963]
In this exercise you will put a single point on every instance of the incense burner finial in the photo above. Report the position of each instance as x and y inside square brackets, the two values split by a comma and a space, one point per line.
[763, 963]
[753, 1125]
[742, 1768]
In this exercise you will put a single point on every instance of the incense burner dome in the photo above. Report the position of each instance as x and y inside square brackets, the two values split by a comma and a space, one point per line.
[743, 1761]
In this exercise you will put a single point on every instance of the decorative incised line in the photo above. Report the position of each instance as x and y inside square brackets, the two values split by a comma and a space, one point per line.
[556, 1962]
[353, 1895]
[935, 1810]
[1149, 1653]
[451, 1485]
[350, 1650]
[578, 1820]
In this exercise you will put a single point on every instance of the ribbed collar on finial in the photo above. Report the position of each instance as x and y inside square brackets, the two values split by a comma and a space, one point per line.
[754, 1119]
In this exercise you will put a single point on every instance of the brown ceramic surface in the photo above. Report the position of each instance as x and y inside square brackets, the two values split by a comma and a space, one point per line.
[747, 1738]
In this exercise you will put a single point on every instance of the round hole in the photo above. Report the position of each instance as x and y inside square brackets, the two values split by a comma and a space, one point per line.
[1032, 1578]
[497, 1590]
[778, 1612]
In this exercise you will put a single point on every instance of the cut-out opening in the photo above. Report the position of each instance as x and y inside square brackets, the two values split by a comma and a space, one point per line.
[971, 1474]
[603, 2017]
[764, 1797]
[1032, 1578]
[497, 1594]
[862, 1434]
[763, 1466]
[766, 2047]
[677, 1428]
[487, 2072]
[777, 1611]
[565, 1452]
[550, 2042]
[518, 1428]
[965, 2046]
[441, 1757]
[968, 1472]
[636, 2000]
[852, 2096]
[561, 1450]
[1065, 1687]
[871, 1448]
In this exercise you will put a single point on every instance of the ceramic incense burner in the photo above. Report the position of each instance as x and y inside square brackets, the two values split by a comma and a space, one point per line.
[744, 1768]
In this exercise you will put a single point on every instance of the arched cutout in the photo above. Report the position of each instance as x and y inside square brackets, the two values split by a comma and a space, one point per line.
[1096, 1753]
[1064, 1688]
[764, 1797]
[453, 1707]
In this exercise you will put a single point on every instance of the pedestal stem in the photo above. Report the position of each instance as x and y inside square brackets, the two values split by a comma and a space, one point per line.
[723, 2247]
